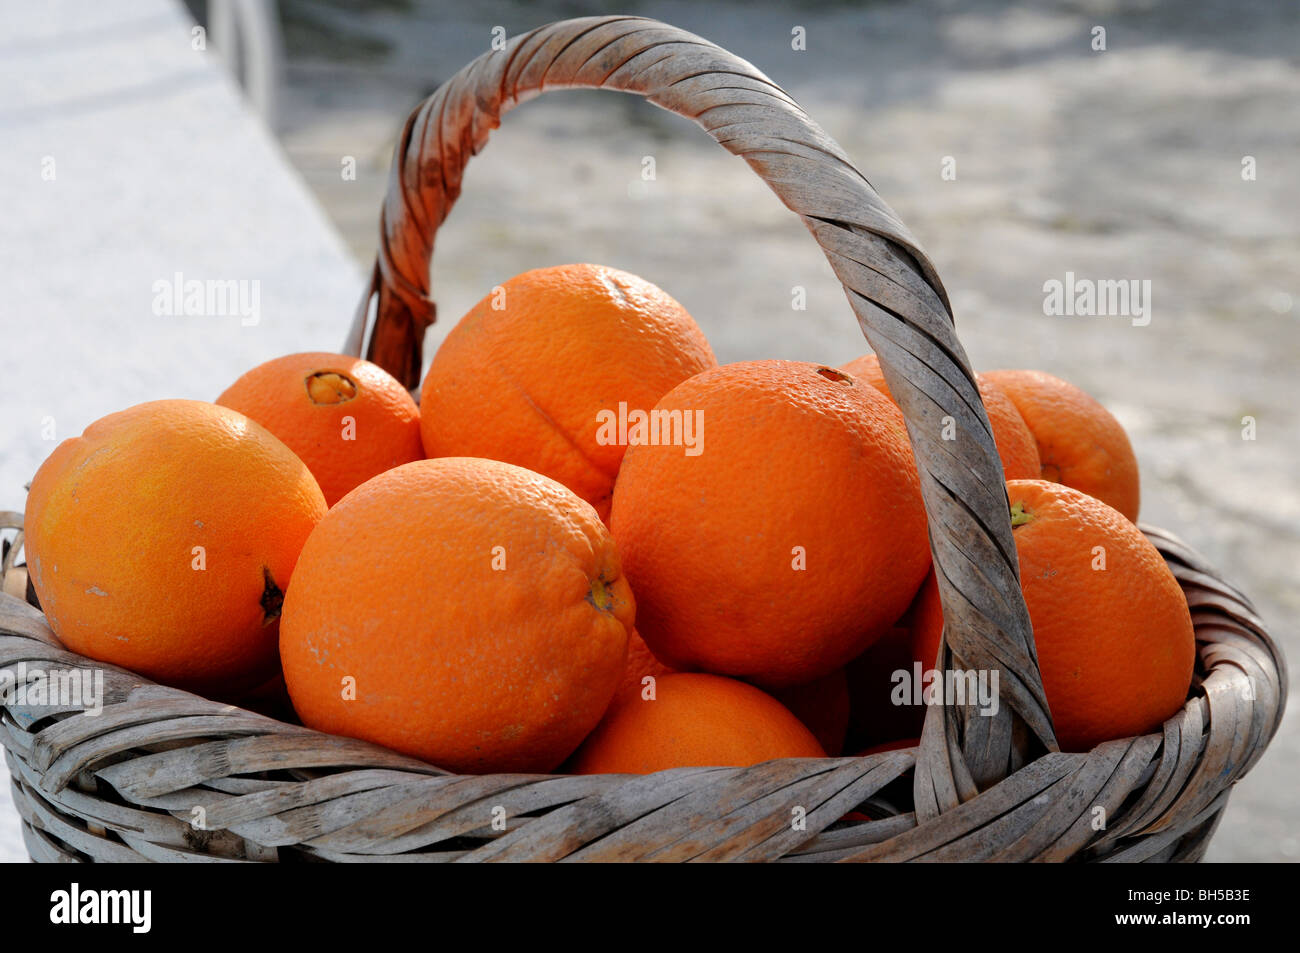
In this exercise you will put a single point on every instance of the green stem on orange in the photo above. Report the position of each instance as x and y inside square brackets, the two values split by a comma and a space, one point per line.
[1019, 516]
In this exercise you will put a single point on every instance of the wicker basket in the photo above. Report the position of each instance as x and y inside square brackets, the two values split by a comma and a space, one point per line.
[165, 775]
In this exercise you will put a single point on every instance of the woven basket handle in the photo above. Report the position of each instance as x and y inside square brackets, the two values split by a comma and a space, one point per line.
[891, 284]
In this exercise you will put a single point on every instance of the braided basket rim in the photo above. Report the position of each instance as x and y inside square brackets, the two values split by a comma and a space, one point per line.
[129, 784]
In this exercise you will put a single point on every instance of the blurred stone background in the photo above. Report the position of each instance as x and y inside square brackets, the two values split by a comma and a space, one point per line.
[1115, 164]
[1122, 163]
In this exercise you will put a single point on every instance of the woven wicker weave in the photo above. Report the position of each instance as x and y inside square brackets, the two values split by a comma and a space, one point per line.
[164, 775]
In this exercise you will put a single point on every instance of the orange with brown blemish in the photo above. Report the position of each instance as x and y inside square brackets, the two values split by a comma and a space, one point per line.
[163, 537]
[348, 419]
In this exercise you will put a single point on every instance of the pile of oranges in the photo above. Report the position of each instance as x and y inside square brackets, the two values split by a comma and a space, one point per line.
[589, 548]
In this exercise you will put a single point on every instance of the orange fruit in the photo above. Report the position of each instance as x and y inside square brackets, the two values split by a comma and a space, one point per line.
[1011, 435]
[1111, 624]
[162, 539]
[640, 663]
[872, 676]
[823, 706]
[694, 720]
[463, 611]
[1015, 443]
[791, 542]
[925, 622]
[346, 418]
[1080, 443]
[550, 371]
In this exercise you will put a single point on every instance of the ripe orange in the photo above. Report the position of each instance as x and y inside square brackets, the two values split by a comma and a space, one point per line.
[925, 622]
[694, 720]
[464, 611]
[823, 706]
[346, 418]
[794, 538]
[1111, 624]
[640, 663]
[872, 676]
[541, 372]
[162, 538]
[1012, 437]
[1080, 443]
